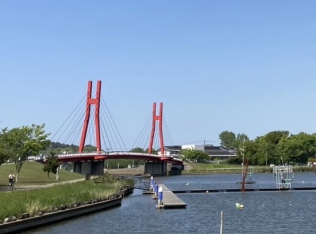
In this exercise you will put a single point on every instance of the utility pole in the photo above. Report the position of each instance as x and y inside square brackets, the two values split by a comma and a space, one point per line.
[243, 156]
[266, 154]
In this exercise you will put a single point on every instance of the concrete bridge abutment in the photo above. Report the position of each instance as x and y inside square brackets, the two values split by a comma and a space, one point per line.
[156, 168]
[161, 169]
[89, 167]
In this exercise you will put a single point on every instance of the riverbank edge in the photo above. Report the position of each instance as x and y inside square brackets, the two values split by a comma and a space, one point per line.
[62, 215]
[239, 170]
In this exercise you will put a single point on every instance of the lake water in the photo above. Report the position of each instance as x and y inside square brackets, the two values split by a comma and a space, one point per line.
[265, 212]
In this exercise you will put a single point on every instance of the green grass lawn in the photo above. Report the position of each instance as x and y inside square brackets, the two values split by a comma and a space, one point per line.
[32, 174]
[46, 200]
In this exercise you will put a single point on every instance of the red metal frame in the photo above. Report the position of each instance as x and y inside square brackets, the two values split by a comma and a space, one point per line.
[157, 118]
[244, 175]
[92, 101]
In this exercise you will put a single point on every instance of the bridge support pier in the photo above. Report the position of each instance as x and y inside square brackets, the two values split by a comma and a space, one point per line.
[156, 168]
[162, 168]
[89, 167]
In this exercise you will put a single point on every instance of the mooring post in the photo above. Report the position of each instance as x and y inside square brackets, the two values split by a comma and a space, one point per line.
[160, 196]
[156, 191]
[151, 183]
[153, 189]
[222, 217]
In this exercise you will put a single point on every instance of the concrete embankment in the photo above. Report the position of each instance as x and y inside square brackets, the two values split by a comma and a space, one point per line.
[42, 219]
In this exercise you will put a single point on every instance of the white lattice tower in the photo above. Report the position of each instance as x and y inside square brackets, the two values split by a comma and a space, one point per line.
[284, 176]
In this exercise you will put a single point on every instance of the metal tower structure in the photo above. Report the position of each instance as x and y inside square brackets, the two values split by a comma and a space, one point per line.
[284, 176]
[96, 102]
[159, 119]
[247, 172]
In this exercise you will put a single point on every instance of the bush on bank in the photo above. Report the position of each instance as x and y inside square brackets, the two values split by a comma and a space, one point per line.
[46, 200]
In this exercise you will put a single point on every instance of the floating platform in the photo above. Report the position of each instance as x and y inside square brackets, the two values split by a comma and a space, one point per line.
[170, 200]
[239, 190]
[246, 182]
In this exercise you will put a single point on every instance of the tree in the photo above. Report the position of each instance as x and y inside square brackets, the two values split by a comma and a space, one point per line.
[23, 142]
[51, 163]
[138, 150]
[249, 150]
[269, 143]
[240, 138]
[227, 139]
[297, 148]
[195, 155]
[4, 149]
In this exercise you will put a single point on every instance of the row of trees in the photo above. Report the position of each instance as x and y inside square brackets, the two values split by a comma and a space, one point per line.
[276, 147]
[186, 154]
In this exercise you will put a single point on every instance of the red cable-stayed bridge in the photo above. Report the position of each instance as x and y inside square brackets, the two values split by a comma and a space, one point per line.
[93, 162]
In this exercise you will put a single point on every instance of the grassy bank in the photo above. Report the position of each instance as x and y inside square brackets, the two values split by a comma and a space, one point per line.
[32, 174]
[58, 197]
[62, 196]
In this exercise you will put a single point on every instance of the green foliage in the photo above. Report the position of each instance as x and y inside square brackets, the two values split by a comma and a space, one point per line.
[4, 149]
[23, 142]
[227, 139]
[249, 151]
[60, 148]
[33, 201]
[138, 150]
[279, 147]
[195, 156]
[240, 138]
[297, 148]
[230, 140]
[51, 163]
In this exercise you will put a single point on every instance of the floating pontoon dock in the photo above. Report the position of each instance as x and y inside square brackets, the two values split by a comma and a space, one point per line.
[170, 200]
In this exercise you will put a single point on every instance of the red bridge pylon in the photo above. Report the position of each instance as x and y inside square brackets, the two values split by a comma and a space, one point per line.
[156, 118]
[92, 101]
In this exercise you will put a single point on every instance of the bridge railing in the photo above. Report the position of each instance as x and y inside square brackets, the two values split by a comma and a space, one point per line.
[113, 153]
[76, 154]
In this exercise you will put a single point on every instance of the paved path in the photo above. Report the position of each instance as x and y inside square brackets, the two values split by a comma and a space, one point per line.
[4, 188]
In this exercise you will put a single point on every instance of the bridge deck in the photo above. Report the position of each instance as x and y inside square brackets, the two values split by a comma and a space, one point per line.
[170, 200]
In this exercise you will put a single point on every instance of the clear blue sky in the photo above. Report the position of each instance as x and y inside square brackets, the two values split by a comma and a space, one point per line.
[243, 66]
